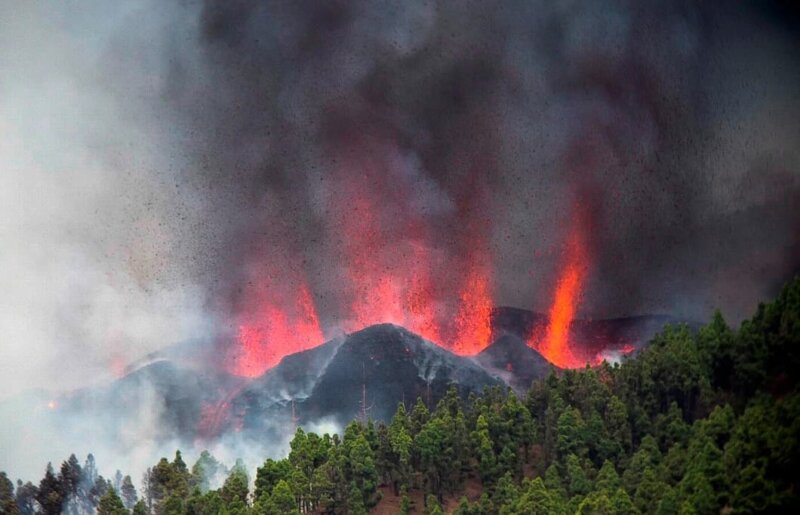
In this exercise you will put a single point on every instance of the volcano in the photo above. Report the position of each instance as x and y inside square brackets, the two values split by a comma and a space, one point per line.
[174, 396]
[590, 341]
[511, 359]
[366, 373]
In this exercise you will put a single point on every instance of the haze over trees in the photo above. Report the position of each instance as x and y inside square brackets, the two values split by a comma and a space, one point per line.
[695, 423]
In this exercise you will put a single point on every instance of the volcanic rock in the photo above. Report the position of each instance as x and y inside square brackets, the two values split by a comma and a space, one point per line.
[369, 371]
[513, 361]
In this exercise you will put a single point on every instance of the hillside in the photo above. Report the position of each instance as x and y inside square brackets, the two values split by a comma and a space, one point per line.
[703, 422]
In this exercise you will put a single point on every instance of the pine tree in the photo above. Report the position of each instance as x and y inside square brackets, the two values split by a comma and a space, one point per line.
[100, 488]
[419, 416]
[8, 504]
[400, 443]
[697, 493]
[268, 475]
[235, 487]
[487, 462]
[72, 474]
[669, 503]
[617, 425]
[50, 494]
[355, 501]
[282, 501]
[159, 479]
[579, 484]
[111, 504]
[607, 478]
[648, 492]
[128, 492]
[647, 456]
[322, 490]
[140, 508]
[204, 471]
[621, 503]
[432, 506]
[26, 497]
[506, 492]
[554, 483]
[537, 499]
[571, 432]
[364, 475]
[405, 502]
[596, 503]
[172, 505]
[88, 487]
[179, 477]
[463, 507]
[716, 343]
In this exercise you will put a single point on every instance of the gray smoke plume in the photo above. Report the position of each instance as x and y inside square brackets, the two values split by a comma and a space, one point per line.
[673, 124]
[159, 161]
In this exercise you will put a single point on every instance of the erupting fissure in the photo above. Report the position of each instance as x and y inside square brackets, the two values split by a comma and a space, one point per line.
[388, 270]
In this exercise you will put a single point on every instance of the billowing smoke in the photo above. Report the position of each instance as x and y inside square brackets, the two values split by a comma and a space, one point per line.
[182, 171]
[351, 145]
[97, 246]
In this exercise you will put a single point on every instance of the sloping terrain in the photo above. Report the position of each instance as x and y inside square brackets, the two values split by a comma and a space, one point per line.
[512, 360]
[383, 364]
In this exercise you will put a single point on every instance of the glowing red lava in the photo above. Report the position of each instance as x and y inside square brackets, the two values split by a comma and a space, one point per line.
[555, 346]
[387, 266]
[276, 333]
[473, 322]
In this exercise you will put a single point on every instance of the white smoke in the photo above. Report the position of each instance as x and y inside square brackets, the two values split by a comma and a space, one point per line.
[91, 225]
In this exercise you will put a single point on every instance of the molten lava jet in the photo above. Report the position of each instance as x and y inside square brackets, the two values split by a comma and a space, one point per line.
[393, 270]
[278, 329]
[473, 330]
[556, 346]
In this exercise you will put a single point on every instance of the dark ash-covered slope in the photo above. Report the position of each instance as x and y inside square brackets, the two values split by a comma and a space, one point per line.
[513, 361]
[385, 363]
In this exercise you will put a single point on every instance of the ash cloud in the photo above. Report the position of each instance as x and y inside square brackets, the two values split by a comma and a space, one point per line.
[675, 123]
[95, 266]
[158, 159]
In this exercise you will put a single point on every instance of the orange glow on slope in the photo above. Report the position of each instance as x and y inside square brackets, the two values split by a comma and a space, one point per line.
[556, 346]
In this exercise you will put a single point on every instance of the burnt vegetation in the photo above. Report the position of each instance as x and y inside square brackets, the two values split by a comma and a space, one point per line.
[702, 421]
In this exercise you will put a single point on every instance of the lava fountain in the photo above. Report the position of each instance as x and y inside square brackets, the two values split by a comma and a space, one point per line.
[556, 346]
[276, 331]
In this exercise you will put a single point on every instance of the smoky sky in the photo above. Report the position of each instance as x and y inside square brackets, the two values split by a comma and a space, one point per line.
[672, 123]
[163, 160]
